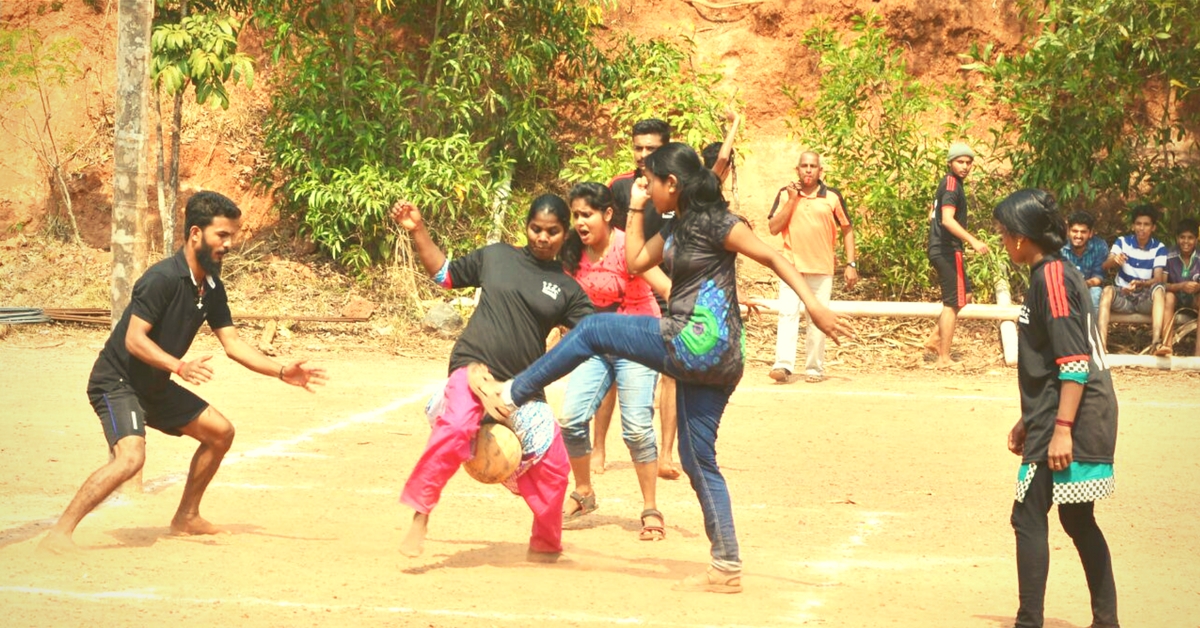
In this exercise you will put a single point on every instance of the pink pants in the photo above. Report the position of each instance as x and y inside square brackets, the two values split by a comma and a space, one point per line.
[543, 485]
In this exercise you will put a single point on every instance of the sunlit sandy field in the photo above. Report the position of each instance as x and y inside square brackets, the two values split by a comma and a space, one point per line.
[866, 500]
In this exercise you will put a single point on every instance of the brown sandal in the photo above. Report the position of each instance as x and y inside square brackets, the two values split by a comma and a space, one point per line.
[651, 532]
[587, 505]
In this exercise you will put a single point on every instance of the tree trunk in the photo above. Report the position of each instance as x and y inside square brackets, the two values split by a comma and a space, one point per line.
[129, 148]
[173, 170]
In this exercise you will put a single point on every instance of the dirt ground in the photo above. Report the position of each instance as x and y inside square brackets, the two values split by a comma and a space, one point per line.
[873, 499]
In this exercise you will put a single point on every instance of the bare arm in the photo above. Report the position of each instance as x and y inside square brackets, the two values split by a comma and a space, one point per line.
[140, 346]
[658, 280]
[1114, 261]
[959, 231]
[721, 168]
[778, 221]
[409, 218]
[851, 273]
[295, 372]
[1158, 276]
[640, 254]
[742, 240]
[1069, 396]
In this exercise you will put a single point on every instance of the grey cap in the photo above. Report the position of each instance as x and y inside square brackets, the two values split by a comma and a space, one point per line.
[959, 149]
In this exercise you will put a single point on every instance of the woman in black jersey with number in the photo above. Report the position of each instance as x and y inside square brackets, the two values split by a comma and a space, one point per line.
[1068, 428]
[525, 295]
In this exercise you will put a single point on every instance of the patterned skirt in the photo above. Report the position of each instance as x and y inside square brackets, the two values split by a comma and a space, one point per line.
[1079, 483]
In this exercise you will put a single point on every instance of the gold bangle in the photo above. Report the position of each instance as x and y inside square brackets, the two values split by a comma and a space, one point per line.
[281, 367]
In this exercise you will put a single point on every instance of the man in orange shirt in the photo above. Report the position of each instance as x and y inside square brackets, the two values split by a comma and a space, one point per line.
[811, 215]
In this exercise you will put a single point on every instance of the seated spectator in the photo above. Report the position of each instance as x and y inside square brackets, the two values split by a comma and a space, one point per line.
[1140, 261]
[1183, 282]
[1086, 253]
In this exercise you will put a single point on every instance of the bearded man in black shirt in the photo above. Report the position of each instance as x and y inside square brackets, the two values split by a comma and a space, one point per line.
[131, 387]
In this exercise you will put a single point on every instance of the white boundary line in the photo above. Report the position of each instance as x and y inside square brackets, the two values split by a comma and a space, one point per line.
[140, 595]
[276, 449]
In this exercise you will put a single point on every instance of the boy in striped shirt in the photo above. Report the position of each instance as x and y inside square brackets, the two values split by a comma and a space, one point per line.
[1140, 261]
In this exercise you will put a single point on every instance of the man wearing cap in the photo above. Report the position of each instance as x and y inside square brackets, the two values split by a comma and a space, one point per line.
[947, 231]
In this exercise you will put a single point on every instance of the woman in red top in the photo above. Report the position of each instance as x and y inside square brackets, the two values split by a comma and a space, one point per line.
[594, 255]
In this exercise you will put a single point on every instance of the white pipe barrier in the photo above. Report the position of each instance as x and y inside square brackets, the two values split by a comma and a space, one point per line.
[1008, 329]
[974, 311]
[987, 311]
[1169, 363]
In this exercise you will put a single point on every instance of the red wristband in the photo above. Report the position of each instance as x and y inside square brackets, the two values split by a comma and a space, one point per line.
[1064, 423]
[179, 369]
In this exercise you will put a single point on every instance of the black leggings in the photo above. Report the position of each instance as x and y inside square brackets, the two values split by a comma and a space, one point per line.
[1029, 520]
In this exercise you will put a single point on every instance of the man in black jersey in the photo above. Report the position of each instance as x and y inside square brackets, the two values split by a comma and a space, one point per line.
[131, 387]
[947, 232]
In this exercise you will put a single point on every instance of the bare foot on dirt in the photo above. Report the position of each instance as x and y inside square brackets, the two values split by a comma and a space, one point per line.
[59, 544]
[944, 365]
[667, 470]
[411, 546]
[194, 526]
[598, 461]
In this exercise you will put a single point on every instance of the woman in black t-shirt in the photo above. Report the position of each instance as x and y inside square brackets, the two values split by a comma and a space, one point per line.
[1067, 433]
[699, 340]
[525, 295]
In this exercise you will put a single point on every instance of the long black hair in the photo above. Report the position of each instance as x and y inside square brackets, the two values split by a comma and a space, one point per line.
[1034, 214]
[599, 198]
[700, 198]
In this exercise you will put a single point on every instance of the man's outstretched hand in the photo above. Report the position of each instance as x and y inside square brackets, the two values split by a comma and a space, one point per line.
[298, 373]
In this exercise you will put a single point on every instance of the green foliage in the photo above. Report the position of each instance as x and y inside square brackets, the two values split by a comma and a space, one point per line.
[201, 51]
[653, 79]
[443, 114]
[26, 60]
[869, 125]
[29, 69]
[1094, 99]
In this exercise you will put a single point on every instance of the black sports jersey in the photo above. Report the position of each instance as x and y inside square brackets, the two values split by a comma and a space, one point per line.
[523, 299]
[167, 298]
[702, 327]
[950, 193]
[1059, 340]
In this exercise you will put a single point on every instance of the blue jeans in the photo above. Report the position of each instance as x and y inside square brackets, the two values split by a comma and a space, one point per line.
[1094, 292]
[589, 383]
[698, 408]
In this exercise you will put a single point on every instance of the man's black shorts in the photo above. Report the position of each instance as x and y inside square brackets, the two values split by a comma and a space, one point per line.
[952, 275]
[123, 413]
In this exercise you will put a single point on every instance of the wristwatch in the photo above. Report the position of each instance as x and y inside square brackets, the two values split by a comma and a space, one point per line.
[853, 265]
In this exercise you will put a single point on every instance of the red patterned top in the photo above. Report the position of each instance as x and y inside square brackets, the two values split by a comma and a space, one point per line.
[609, 285]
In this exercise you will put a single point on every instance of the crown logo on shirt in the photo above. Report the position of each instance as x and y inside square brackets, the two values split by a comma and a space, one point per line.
[551, 289]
